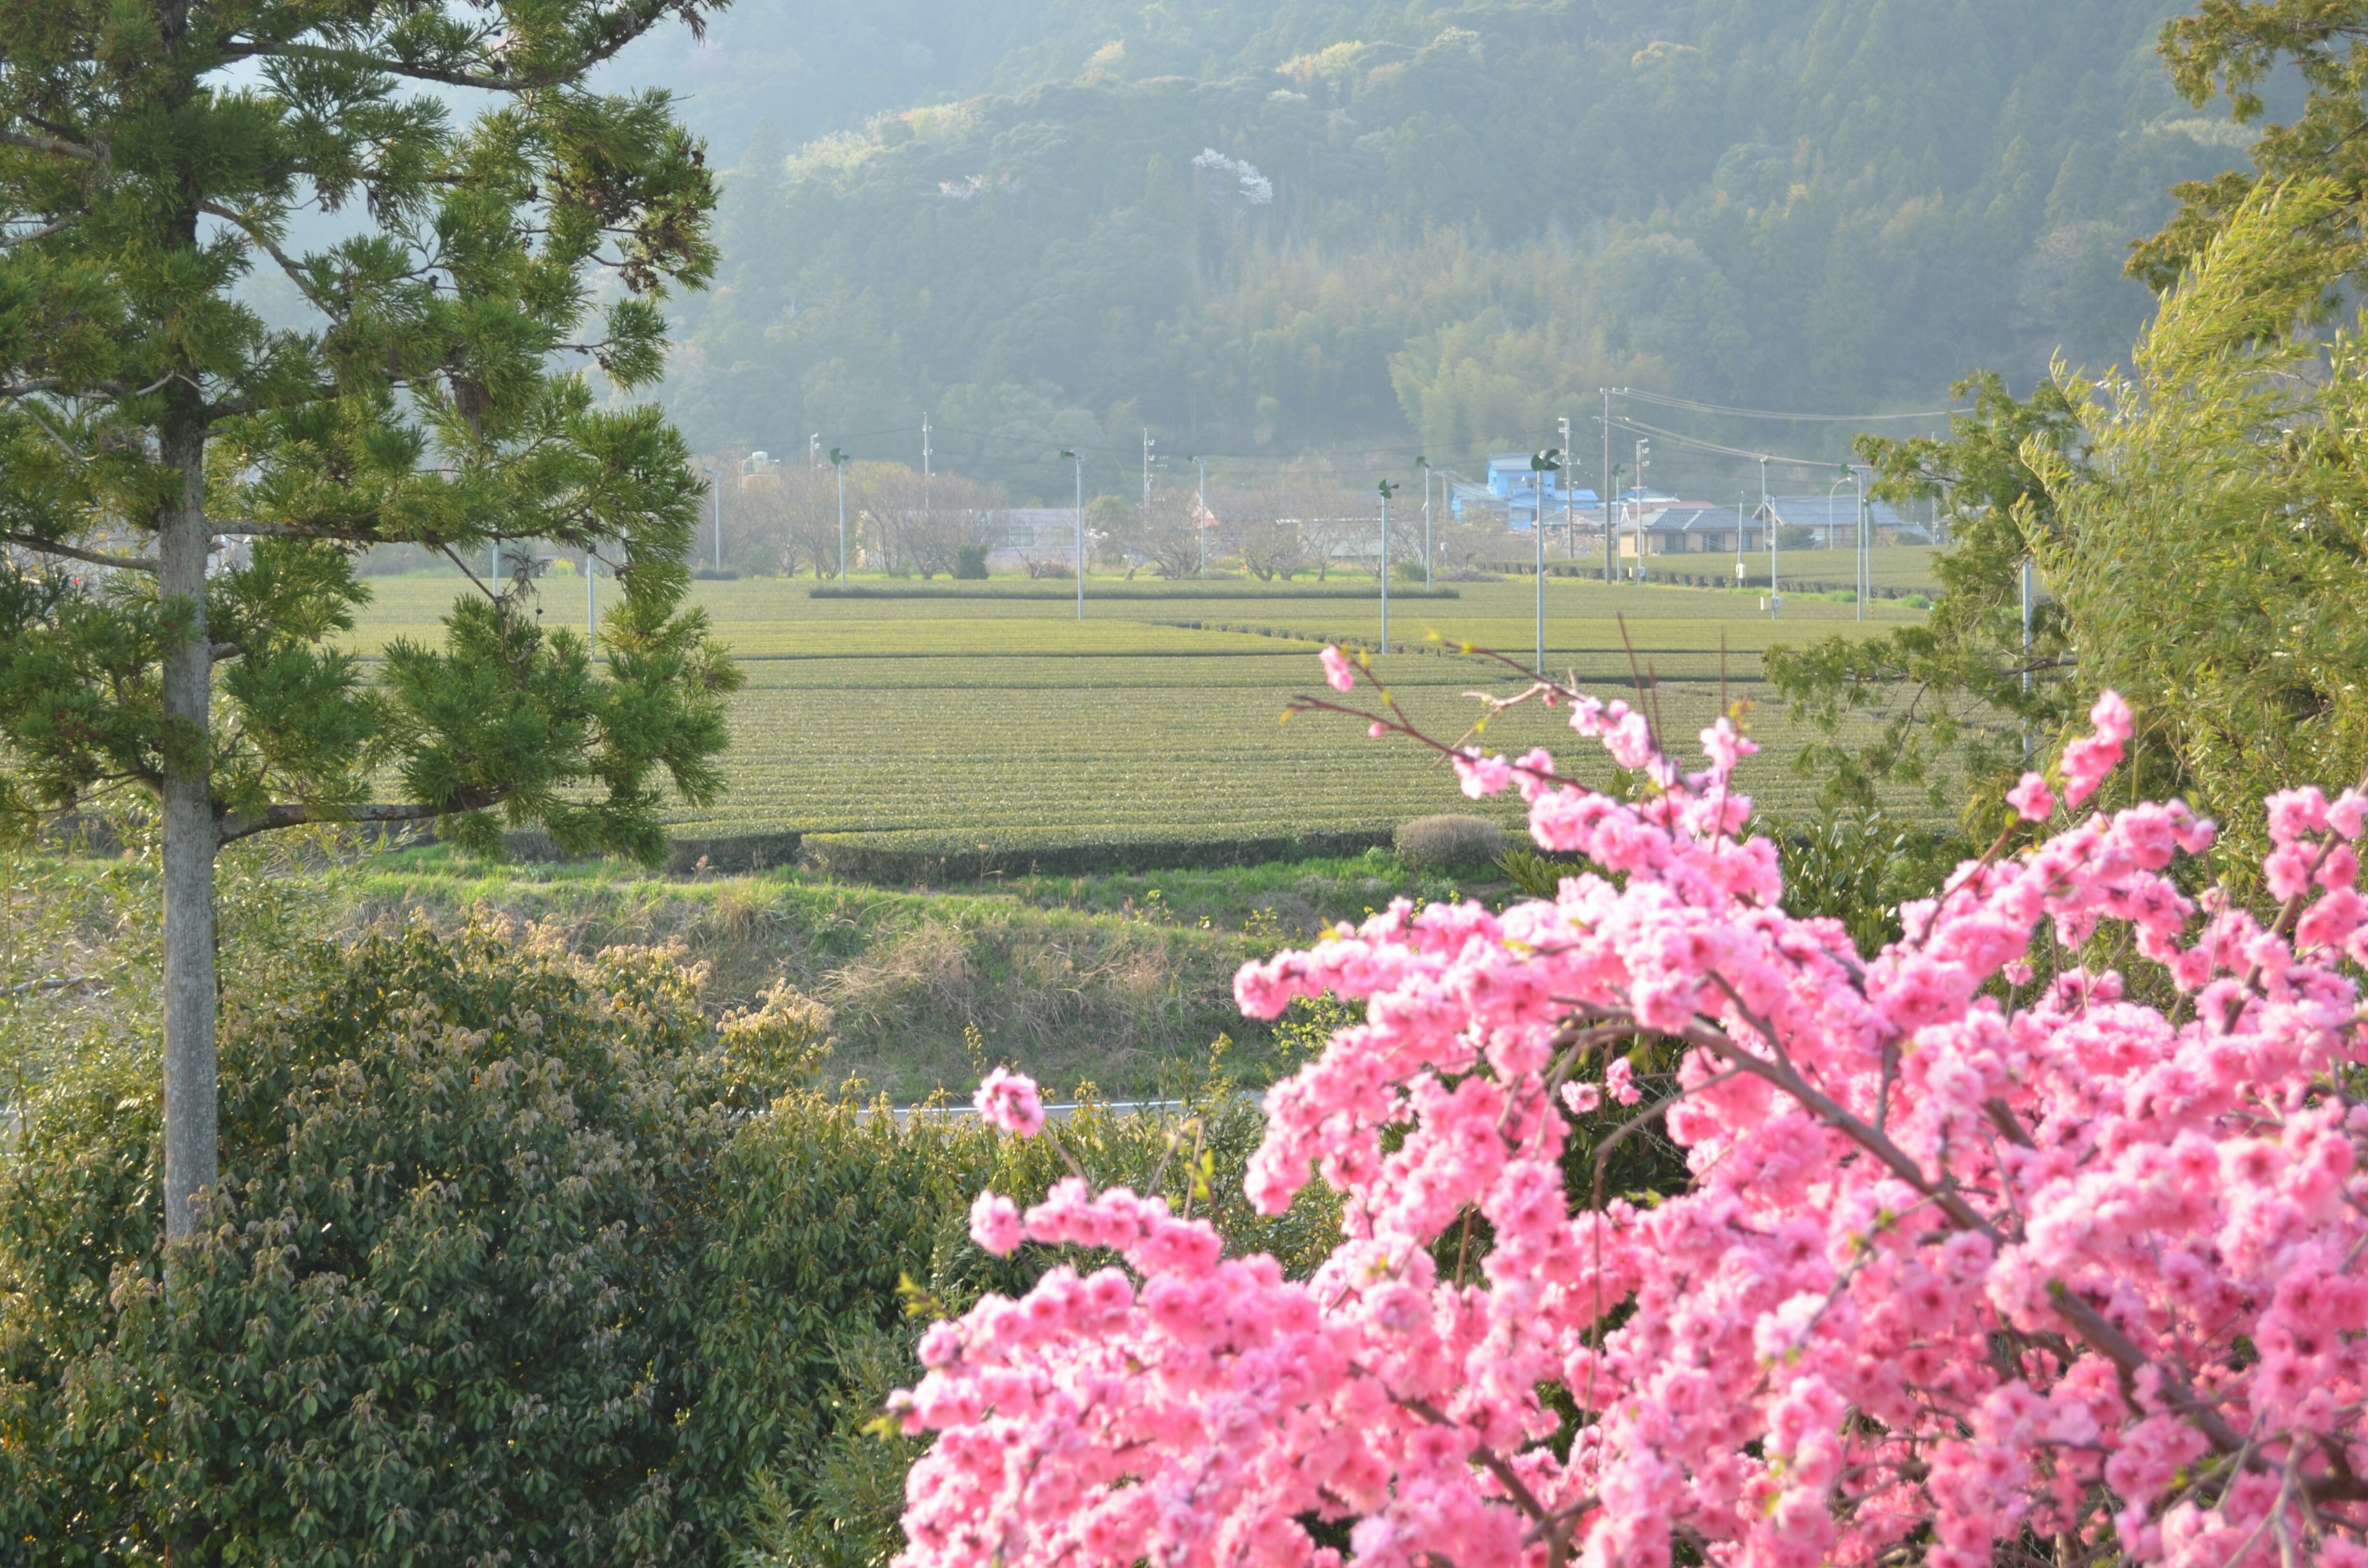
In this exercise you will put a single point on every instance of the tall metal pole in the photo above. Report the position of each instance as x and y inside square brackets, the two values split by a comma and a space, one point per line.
[1385, 487]
[1570, 529]
[1201, 523]
[591, 604]
[1544, 463]
[1146, 471]
[1081, 531]
[719, 522]
[1775, 593]
[838, 461]
[1611, 486]
[2026, 647]
[1865, 552]
[1611, 493]
[1643, 454]
[1424, 464]
[1849, 477]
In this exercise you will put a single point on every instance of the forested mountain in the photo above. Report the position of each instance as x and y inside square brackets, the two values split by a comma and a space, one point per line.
[1271, 228]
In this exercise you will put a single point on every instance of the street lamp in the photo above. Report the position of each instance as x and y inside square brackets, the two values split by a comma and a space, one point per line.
[1644, 460]
[1858, 547]
[838, 461]
[1569, 524]
[1387, 490]
[1544, 463]
[1201, 523]
[1424, 464]
[1081, 530]
[1767, 516]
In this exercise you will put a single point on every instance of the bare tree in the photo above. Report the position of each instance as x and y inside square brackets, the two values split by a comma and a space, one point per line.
[1165, 541]
[1263, 538]
[957, 514]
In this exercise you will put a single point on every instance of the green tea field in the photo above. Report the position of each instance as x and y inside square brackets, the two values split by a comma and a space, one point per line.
[991, 717]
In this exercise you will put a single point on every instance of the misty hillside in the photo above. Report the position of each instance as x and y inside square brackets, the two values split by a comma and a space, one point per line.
[1266, 228]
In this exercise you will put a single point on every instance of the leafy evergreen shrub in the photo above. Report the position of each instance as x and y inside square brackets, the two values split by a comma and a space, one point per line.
[437, 1311]
[519, 1258]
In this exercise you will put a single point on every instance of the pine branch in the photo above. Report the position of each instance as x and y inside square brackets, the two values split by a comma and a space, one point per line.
[57, 145]
[299, 815]
[97, 558]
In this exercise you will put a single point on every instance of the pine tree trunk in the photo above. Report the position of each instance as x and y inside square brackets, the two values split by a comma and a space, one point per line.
[189, 841]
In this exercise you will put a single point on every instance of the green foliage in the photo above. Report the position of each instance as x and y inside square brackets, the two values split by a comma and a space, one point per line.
[1949, 699]
[433, 1304]
[2241, 50]
[2212, 552]
[431, 385]
[1780, 208]
[515, 1251]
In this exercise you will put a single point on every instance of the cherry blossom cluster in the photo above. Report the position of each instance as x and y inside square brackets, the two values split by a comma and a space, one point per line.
[1972, 1268]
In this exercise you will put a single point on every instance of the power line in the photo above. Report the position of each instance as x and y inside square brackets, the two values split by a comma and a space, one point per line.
[1627, 422]
[1691, 405]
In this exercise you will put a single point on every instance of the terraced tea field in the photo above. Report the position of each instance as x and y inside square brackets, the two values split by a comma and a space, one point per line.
[997, 718]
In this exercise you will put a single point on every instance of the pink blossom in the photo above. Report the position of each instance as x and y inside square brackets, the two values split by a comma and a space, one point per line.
[2089, 758]
[1339, 672]
[995, 1224]
[1480, 774]
[1007, 1102]
[1954, 1271]
[2031, 799]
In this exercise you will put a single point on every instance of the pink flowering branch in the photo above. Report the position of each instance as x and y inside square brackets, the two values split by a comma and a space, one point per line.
[1959, 1268]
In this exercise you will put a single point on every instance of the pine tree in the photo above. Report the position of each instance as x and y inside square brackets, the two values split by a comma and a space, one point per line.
[187, 488]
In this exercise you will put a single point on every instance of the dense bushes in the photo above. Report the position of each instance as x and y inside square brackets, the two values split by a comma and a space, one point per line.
[517, 1257]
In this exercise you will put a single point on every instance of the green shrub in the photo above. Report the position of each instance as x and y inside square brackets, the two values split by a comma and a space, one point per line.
[517, 1257]
[970, 563]
[438, 1312]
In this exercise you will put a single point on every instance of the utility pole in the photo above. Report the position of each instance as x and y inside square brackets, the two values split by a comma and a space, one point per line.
[1201, 523]
[1738, 539]
[1424, 464]
[1611, 491]
[719, 522]
[591, 602]
[1543, 464]
[1386, 489]
[814, 450]
[1147, 444]
[1081, 530]
[838, 461]
[1569, 526]
[925, 517]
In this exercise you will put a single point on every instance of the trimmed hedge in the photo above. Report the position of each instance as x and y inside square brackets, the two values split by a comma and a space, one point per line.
[1181, 588]
[852, 859]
